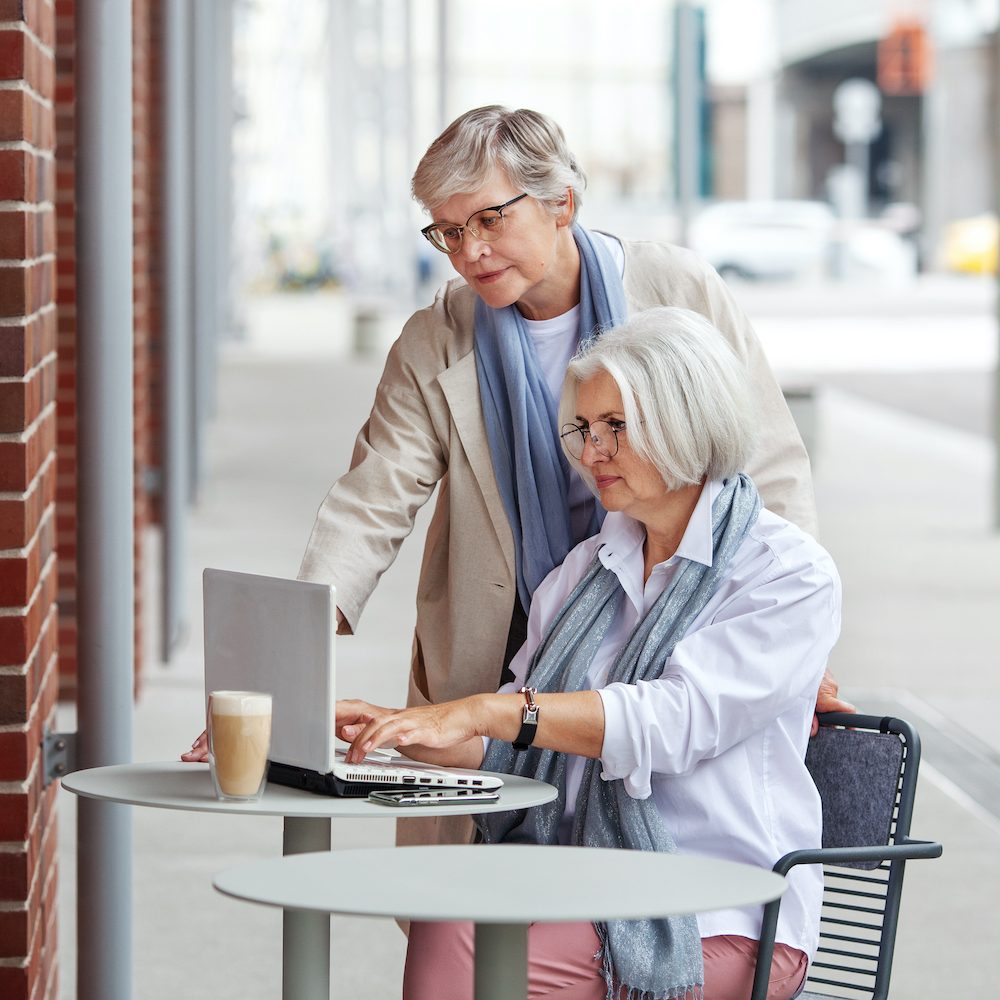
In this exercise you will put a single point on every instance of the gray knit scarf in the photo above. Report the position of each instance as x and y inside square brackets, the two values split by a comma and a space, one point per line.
[651, 959]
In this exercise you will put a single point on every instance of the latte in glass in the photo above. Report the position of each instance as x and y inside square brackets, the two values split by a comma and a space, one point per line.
[239, 738]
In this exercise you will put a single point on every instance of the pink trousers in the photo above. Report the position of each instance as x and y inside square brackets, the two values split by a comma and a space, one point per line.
[562, 966]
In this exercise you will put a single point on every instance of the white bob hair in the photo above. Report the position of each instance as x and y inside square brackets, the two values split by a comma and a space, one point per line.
[527, 146]
[685, 394]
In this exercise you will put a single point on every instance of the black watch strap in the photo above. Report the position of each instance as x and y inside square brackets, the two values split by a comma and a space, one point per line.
[529, 720]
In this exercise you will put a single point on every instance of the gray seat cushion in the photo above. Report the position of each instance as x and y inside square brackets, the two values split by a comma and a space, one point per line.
[857, 774]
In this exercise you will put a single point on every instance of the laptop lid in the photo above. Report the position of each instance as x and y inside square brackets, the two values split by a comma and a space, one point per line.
[269, 634]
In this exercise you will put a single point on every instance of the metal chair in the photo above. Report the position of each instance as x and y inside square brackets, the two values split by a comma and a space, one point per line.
[867, 777]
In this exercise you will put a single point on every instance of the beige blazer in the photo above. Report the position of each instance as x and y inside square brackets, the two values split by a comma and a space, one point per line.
[426, 430]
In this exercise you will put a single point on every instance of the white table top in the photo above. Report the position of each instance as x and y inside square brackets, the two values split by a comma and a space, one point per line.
[504, 883]
[178, 785]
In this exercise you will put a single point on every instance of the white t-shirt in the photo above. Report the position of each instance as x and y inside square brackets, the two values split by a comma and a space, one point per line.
[719, 739]
[556, 341]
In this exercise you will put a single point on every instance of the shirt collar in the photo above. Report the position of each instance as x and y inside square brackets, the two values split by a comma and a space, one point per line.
[621, 535]
[696, 544]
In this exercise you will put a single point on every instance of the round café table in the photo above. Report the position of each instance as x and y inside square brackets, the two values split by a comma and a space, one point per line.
[306, 828]
[502, 888]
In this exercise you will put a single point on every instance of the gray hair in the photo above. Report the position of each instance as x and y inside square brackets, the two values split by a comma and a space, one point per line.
[685, 394]
[527, 146]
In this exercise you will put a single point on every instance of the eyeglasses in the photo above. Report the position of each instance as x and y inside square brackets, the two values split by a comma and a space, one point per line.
[604, 440]
[486, 224]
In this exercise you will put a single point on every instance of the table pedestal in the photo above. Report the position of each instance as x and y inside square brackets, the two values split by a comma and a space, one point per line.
[305, 935]
[501, 961]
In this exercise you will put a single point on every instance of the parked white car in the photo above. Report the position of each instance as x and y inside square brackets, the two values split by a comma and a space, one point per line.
[765, 239]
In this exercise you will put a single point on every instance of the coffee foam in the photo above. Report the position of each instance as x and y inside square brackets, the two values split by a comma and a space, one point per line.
[241, 703]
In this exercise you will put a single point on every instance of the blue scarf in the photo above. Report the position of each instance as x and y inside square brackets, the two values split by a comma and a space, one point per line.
[520, 414]
[650, 959]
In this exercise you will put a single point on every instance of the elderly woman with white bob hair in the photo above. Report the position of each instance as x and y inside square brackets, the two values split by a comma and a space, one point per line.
[673, 659]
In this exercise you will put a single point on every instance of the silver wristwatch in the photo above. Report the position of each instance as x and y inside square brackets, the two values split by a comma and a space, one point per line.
[529, 720]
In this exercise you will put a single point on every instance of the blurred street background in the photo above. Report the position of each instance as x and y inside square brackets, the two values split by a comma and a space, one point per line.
[835, 161]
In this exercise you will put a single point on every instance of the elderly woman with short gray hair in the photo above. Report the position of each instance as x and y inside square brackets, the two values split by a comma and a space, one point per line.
[667, 683]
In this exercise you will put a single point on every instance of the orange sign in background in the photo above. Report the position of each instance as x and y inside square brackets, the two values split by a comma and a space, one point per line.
[904, 59]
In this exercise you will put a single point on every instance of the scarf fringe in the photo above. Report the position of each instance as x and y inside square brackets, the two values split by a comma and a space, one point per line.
[693, 991]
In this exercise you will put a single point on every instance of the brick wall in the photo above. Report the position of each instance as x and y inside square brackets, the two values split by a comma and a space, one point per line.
[146, 121]
[28, 617]
[38, 420]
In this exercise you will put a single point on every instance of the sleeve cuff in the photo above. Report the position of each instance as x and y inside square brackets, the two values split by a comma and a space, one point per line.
[619, 753]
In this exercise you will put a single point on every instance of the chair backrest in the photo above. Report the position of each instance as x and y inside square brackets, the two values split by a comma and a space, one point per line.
[866, 776]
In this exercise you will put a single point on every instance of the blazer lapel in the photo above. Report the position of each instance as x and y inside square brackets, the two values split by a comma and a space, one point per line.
[460, 385]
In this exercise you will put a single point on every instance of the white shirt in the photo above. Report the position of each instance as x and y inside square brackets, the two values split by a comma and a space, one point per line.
[719, 739]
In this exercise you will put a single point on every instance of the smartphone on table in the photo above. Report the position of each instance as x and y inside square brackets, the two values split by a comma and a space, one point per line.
[432, 797]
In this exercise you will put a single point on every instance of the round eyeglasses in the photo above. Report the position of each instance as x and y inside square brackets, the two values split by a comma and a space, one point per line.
[602, 434]
[486, 224]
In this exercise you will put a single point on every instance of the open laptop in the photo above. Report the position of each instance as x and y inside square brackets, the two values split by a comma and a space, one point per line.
[269, 634]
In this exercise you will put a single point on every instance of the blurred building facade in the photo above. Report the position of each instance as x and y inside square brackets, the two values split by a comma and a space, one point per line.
[343, 110]
[933, 63]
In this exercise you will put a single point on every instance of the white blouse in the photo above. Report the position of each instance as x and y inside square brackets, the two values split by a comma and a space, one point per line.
[719, 739]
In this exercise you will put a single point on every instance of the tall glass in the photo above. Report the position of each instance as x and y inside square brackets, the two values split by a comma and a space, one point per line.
[239, 739]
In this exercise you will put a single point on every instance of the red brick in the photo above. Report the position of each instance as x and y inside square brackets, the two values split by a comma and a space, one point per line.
[15, 700]
[19, 929]
[20, 461]
[13, 522]
[18, 870]
[20, 750]
[25, 58]
[18, 812]
[15, 813]
[43, 73]
[42, 21]
[21, 402]
[14, 878]
[13, 471]
[15, 749]
[19, 518]
[19, 635]
[12, 54]
[19, 574]
[45, 231]
[26, 289]
[24, 118]
[14, 291]
[13, 404]
[14, 936]
[14, 228]
[12, 10]
[14, 983]
[15, 168]
[15, 117]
